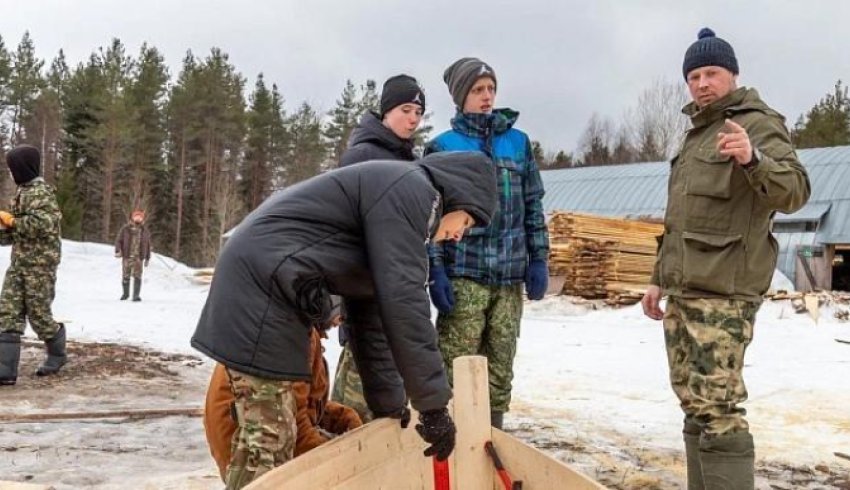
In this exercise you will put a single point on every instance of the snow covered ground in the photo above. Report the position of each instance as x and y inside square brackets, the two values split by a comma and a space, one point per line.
[595, 377]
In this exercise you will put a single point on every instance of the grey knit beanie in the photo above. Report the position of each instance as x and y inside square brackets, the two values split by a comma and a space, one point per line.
[461, 76]
[709, 50]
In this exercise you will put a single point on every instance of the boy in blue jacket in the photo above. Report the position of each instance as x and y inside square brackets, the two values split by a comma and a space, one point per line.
[476, 284]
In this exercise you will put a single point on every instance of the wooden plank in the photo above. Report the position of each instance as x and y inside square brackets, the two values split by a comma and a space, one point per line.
[11, 485]
[471, 469]
[133, 414]
[355, 461]
[536, 469]
[381, 455]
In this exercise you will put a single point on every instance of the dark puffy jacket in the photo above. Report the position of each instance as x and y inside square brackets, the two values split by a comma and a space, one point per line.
[371, 140]
[123, 242]
[362, 231]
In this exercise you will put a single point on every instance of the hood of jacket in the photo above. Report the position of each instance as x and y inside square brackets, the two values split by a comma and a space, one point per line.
[466, 180]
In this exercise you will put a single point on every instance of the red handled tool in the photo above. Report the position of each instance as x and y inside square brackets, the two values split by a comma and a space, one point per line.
[441, 474]
[500, 468]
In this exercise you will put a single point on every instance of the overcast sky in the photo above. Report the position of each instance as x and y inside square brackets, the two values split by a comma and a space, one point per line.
[557, 62]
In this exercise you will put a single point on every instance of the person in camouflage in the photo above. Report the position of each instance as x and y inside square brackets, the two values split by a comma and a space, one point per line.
[477, 283]
[736, 168]
[33, 229]
[133, 247]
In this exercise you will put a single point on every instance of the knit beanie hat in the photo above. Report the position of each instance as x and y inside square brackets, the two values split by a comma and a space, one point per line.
[401, 89]
[24, 162]
[709, 50]
[462, 75]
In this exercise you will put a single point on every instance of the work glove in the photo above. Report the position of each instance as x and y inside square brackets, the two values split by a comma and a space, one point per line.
[436, 428]
[440, 288]
[7, 219]
[536, 279]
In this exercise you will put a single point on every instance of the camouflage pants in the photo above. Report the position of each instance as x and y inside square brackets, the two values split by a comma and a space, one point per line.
[28, 295]
[266, 432]
[485, 321]
[348, 388]
[131, 266]
[706, 341]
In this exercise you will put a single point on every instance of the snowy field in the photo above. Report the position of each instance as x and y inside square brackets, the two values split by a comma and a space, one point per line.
[593, 380]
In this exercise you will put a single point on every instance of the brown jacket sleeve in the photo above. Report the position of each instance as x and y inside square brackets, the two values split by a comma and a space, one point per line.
[339, 419]
[307, 415]
[219, 425]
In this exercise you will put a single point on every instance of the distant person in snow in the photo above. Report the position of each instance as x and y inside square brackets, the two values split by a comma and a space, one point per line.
[133, 247]
[33, 229]
[317, 419]
[384, 136]
[734, 171]
[359, 232]
[477, 284]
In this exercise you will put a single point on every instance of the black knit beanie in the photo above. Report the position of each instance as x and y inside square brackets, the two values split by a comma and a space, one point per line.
[401, 89]
[709, 50]
[24, 161]
[461, 76]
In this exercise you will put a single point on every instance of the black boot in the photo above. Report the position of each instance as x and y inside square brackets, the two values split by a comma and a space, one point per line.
[56, 357]
[10, 355]
[496, 419]
[692, 458]
[727, 461]
[125, 283]
[137, 288]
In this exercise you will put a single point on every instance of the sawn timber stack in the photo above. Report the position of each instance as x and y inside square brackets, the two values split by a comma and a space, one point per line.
[601, 257]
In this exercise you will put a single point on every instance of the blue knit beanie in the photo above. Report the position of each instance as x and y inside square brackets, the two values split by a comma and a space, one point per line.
[709, 50]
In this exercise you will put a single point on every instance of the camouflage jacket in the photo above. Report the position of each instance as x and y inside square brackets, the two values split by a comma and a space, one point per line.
[35, 238]
[717, 240]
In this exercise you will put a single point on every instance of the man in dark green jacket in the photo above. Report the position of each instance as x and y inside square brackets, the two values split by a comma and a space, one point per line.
[735, 170]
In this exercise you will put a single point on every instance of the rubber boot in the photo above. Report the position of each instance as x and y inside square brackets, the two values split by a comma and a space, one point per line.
[692, 457]
[125, 284]
[137, 288]
[10, 355]
[728, 461]
[56, 357]
[496, 419]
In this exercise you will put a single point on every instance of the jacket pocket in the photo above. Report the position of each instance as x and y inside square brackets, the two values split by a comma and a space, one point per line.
[710, 262]
[708, 189]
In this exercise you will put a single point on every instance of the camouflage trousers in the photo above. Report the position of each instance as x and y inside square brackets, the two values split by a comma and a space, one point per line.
[706, 340]
[28, 295]
[485, 321]
[348, 388]
[131, 266]
[266, 433]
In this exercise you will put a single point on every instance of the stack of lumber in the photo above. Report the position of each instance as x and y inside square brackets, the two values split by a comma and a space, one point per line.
[603, 257]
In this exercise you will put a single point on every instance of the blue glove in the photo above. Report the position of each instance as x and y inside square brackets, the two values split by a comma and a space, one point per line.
[536, 279]
[440, 288]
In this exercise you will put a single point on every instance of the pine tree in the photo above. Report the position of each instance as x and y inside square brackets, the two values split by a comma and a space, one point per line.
[207, 126]
[827, 123]
[81, 103]
[25, 83]
[43, 126]
[112, 136]
[307, 150]
[265, 141]
[370, 100]
[145, 102]
[344, 117]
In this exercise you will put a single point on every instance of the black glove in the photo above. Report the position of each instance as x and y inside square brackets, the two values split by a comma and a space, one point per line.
[436, 428]
[403, 417]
